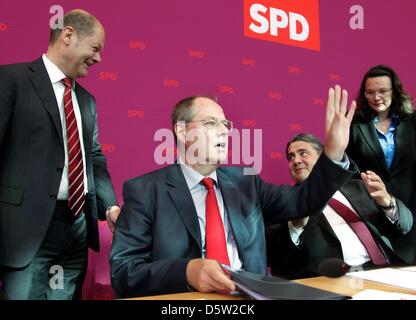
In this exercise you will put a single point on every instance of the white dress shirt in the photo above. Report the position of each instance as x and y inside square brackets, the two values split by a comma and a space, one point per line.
[199, 193]
[354, 252]
[56, 75]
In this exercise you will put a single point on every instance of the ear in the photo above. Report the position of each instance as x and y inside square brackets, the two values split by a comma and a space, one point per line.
[68, 35]
[180, 131]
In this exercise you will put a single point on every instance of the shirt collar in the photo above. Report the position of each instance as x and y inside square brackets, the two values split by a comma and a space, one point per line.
[394, 119]
[55, 74]
[192, 177]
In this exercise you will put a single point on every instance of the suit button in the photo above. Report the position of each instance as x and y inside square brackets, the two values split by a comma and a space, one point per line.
[59, 169]
[53, 196]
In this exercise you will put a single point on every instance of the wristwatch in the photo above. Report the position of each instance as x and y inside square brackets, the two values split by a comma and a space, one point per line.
[391, 204]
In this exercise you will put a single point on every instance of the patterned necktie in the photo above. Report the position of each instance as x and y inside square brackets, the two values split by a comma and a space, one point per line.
[361, 230]
[76, 197]
[216, 246]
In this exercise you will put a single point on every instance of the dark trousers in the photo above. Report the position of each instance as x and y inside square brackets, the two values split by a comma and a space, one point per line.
[58, 269]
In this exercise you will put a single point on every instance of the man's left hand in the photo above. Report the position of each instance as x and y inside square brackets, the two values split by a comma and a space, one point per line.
[112, 215]
[376, 188]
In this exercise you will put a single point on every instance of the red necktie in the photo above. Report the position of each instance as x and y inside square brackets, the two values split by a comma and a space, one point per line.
[215, 234]
[76, 197]
[361, 230]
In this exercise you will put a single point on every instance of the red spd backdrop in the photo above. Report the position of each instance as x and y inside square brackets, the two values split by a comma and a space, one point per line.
[270, 62]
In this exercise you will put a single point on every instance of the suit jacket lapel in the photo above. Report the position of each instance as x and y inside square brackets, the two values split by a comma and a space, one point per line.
[403, 141]
[42, 84]
[232, 205]
[370, 216]
[86, 118]
[323, 222]
[181, 197]
[363, 206]
[370, 137]
[352, 195]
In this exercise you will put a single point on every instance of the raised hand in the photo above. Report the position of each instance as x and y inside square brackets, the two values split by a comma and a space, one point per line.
[337, 123]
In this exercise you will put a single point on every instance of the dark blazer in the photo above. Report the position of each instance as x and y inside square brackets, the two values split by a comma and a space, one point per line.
[319, 242]
[32, 160]
[157, 232]
[365, 149]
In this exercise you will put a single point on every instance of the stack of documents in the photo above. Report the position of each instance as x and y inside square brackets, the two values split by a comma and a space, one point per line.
[371, 294]
[399, 277]
[262, 287]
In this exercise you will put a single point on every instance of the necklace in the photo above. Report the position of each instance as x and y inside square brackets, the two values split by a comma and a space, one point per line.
[384, 126]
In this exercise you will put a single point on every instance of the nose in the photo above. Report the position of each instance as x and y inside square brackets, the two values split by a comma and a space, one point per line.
[97, 57]
[222, 130]
[377, 95]
[294, 162]
[297, 159]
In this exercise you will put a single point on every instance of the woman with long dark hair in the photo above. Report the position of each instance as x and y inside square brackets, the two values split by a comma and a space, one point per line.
[382, 139]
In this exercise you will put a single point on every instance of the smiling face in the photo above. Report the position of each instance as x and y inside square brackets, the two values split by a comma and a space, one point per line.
[206, 136]
[301, 157]
[378, 92]
[83, 51]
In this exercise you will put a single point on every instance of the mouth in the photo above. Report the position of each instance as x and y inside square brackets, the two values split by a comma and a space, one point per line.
[377, 105]
[88, 64]
[221, 145]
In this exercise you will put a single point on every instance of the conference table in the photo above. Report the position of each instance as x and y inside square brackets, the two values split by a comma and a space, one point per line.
[343, 285]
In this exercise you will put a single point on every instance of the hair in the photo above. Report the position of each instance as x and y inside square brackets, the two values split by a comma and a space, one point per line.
[83, 23]
[401, 104]
[308, 138]
[183, 111]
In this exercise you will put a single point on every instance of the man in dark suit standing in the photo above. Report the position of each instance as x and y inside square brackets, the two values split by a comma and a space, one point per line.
[180, 222]
[54, 182]
[296, 248]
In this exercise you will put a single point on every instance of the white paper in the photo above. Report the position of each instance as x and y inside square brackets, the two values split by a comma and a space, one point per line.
[371, 294]
[409, 268]
[397, 277]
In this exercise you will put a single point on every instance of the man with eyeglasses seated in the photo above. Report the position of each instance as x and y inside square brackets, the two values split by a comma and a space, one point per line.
[356, 226]
[180, 223]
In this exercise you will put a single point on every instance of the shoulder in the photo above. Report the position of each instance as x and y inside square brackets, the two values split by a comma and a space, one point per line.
[152, 177]
[15, 66]
[411, 118]
[357, 129]
[354, 128]
[237, 173]
[14, 76]
[15, 70]
[357, 121]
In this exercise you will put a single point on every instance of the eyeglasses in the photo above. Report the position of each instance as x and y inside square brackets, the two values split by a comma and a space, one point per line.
[213, 124]
[382, 93]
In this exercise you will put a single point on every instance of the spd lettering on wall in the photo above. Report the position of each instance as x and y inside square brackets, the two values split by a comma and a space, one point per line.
[291, 22]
